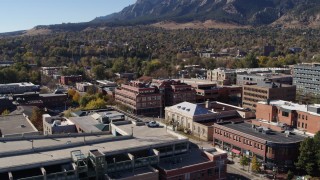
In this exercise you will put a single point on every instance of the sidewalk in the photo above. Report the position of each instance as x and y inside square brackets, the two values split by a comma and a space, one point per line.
[237, 167]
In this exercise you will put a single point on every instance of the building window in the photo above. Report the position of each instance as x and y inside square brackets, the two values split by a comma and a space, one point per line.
[286, 114]
[306, 117]
[302, 116]
[298, 124]
[306, 126]
[210, 172]
[302, 125]
[299, 116]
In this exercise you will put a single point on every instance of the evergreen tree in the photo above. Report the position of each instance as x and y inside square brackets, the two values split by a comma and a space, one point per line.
[316, 140]
[307, 157]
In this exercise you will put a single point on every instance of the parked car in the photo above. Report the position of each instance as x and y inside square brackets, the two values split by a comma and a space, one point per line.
[153, 124]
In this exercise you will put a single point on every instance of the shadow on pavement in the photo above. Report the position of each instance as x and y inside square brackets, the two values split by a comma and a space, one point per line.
[231, 176]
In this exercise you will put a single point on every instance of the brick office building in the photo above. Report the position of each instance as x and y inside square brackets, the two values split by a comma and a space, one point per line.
[140, 98]
[197, 165]
[266, 91]
[67, 80]
[270, 147]
[199, 118]
[174, 91]
[301, 117]
[158, 95]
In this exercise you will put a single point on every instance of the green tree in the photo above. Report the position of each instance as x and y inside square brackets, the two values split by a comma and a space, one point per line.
[84, 100]
[99, 72]
[255, 165]
[307, 157]
[290, 175]
[5, 112]
[244, 161]
[251, 61]
[316, 140]
[36, 118]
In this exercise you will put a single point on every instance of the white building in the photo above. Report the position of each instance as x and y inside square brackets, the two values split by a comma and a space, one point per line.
[18, 88]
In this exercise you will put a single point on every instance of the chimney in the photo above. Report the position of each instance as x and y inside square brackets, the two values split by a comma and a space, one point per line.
[208, 104]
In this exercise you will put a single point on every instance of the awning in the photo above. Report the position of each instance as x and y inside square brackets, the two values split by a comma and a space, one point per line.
[235, 151]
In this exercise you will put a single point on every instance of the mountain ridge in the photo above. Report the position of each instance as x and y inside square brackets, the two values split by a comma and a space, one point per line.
[242, 12]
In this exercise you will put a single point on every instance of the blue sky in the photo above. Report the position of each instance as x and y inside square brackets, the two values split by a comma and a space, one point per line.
[25, 14]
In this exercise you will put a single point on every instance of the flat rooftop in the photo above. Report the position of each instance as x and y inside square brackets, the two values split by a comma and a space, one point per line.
[86, 123]
[52, 95]
[192, 158]
[293, 106]
[145, 133]
[275, 137]
[18, 84]
[195, 81]
[17, 154]
[15, 124]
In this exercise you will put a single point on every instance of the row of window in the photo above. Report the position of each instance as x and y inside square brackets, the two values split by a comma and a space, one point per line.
[148, 98]
[238, 139]
[148, 104]
[303, 125]
[255, 90]
[301, 116]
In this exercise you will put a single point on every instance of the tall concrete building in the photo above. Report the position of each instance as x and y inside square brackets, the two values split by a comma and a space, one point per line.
[266, 91]
[307, 78]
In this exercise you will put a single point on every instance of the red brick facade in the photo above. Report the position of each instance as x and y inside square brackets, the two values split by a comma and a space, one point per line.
[305, 121]
[204, 171]
[140, 99]
[282, 154]
[67, 80]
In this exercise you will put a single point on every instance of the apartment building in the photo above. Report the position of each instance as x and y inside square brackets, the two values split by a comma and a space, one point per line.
[266, 91]
[174, 91]
[305, 118]
[306, 77]
[225, 76]
[68, 80]
[140, 98]
[272, 148]
[18, 88]
[222, 76]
